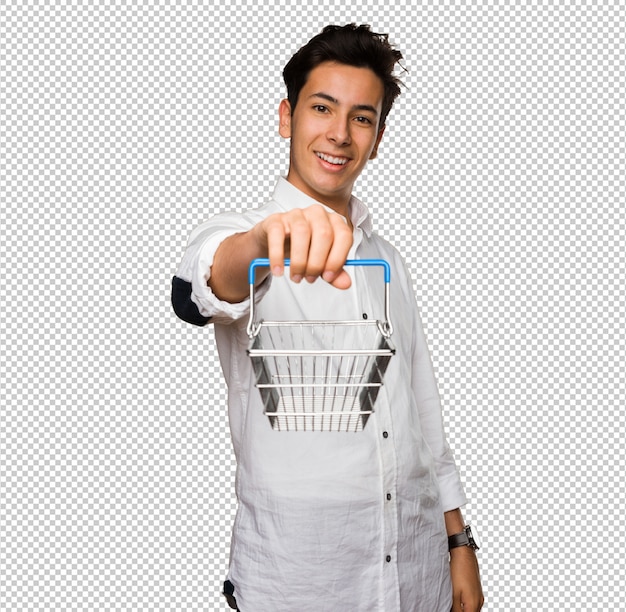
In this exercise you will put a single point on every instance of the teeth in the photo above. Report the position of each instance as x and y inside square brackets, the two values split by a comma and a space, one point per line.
[339, 161]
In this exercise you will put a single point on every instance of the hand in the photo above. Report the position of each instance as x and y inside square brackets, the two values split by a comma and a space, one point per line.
[466, 588]
[318, 242]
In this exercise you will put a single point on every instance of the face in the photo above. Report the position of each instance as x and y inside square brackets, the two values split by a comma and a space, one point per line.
[334, 131]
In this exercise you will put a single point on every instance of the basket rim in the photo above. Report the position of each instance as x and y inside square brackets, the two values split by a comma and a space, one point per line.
[387, 347]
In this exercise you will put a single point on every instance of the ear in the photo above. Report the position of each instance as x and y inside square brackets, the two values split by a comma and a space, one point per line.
[374, 152]
[284, 119]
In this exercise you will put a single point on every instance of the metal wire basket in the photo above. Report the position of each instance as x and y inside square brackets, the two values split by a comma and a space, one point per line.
[320, 375]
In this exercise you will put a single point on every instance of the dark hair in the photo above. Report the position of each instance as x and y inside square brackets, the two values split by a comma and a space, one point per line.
[352, 45]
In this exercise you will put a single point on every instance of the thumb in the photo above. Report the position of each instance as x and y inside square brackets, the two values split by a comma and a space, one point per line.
[457, 605]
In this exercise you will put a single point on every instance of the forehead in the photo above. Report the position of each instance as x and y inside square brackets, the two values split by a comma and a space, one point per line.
[349, 85]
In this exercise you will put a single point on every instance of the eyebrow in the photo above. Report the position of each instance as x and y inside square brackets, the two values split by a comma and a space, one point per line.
[361, 107]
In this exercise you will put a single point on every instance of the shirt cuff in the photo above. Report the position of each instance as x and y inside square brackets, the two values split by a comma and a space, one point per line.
[452, 493]
[209, 305]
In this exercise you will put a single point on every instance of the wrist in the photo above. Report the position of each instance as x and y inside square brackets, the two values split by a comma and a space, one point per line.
[461, 551]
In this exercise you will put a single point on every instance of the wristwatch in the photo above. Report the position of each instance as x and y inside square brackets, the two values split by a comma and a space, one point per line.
[465, 538]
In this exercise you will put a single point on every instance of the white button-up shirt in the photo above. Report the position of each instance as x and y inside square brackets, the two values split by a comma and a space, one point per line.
[330, 521]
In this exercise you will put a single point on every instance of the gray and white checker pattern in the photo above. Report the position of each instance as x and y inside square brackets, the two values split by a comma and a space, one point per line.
[501, 179]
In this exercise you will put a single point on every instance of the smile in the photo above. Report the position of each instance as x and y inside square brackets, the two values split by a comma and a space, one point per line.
[337, 161]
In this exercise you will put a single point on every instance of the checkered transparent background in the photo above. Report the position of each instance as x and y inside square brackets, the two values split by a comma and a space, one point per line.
[500, 178]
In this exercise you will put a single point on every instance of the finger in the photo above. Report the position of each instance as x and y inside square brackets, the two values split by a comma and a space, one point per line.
[299, 230]
[472, 604]
[276, 234]
[334, 272]
[457, 606]
[322, 238]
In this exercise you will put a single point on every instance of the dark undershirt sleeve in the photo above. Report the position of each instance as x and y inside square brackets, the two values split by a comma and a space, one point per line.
[182, 304]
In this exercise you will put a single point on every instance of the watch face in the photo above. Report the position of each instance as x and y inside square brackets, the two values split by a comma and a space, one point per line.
[472, 536]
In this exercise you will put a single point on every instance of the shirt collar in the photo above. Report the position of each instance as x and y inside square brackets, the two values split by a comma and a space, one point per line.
[288, 197]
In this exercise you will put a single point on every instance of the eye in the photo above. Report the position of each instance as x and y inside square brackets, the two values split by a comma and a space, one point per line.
[320, 108]
[364, 120]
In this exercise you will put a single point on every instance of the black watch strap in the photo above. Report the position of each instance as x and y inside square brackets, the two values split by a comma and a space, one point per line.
[458, 539]
[465, 538]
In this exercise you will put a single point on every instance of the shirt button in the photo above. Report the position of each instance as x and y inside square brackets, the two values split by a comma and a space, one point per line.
[385, 434]
[365, 315]
[388, 495]
[388, 558]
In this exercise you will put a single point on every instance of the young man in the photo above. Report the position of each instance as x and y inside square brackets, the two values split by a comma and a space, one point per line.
[331, 521]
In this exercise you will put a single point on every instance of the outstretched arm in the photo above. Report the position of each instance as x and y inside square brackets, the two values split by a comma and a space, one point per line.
[316, 241]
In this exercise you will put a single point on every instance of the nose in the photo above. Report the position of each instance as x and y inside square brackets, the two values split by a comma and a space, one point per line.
[339, 131]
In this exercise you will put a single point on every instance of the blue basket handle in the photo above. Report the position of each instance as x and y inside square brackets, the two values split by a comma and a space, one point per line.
[263, 262]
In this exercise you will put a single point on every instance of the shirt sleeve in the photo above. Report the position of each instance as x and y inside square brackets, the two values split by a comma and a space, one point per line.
[428, 402]
[192, 298]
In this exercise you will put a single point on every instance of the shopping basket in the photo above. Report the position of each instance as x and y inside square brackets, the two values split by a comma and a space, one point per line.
[319, 375]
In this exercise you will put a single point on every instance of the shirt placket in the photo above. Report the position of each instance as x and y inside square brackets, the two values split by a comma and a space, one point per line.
[389, 597]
